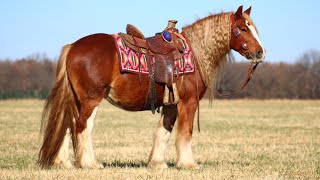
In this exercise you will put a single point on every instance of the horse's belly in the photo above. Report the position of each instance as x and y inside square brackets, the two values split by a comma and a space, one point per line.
[128, 96]
[126, 102]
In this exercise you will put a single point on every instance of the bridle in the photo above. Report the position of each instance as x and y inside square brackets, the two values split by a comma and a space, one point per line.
[236, 33]
[252, 67]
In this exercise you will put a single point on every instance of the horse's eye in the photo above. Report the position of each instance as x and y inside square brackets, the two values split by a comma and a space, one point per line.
[243, 29]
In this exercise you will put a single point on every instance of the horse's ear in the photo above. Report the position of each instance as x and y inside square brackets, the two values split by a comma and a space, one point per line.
[239, 12]
[248, 11]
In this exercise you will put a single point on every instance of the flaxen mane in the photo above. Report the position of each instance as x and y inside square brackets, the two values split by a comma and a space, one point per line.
[210, 42]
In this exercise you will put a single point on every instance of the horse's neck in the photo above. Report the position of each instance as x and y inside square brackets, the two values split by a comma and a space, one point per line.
[209, 38]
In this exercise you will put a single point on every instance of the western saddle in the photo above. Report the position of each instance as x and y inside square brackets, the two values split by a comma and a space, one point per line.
[166, 47]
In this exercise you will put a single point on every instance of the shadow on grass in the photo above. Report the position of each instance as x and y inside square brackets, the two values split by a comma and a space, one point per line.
[138, 164]
[121, 164]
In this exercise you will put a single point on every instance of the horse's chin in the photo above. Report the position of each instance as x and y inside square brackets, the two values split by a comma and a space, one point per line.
[255, 60]
[251, 57]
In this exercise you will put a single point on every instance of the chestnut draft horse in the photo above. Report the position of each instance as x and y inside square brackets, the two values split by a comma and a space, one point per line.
[88, 71]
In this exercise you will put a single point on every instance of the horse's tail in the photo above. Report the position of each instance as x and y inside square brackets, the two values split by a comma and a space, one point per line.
[59, 112]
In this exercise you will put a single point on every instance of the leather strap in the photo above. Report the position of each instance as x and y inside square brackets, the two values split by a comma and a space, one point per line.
[152, 85]
[237, 33]
[251, 70]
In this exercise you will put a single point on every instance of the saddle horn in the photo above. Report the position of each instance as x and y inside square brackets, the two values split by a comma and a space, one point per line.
[172, 23]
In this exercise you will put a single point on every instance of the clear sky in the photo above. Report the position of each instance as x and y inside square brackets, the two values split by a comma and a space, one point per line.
[287, 28]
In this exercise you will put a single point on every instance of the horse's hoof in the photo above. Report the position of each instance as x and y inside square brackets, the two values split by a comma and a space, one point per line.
[157, 165]
[62, 164]
[193, 166]
[94, 165]
[99, 165]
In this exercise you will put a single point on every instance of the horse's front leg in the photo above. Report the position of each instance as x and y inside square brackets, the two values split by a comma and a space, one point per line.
[161, 137]
[186, 112]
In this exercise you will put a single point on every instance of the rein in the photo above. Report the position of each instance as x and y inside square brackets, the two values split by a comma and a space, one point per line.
[251, 70]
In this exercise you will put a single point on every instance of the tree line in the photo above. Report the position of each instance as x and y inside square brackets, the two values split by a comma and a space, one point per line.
[33, 77]
[30, 77]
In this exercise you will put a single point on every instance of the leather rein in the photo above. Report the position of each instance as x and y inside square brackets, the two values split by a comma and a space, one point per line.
[252, 67]
[251, 70]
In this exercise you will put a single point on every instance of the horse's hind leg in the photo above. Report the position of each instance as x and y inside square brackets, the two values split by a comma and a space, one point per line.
[63, 158]
[161, 137]
[85, 157]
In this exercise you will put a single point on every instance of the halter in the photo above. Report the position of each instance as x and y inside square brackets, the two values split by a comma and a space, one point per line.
[236, 33]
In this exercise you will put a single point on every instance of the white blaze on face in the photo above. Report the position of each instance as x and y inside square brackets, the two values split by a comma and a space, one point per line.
[255, 35]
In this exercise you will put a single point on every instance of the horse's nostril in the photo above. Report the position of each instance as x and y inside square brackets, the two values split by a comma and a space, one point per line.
[259, 54]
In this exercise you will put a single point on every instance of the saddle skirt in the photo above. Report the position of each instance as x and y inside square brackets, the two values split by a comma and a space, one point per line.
[132, 61]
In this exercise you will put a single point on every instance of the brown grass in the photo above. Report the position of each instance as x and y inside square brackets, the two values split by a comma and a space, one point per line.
[240, 139]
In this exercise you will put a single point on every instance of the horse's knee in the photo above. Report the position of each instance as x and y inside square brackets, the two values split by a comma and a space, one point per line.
[170, 113]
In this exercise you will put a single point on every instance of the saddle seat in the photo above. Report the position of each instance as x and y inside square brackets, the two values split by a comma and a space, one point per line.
[156, 44]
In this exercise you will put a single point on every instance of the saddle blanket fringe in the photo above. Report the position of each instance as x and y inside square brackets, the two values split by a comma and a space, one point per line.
[135, 62]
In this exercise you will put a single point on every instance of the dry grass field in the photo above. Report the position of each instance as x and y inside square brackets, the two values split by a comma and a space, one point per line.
[240, 139]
